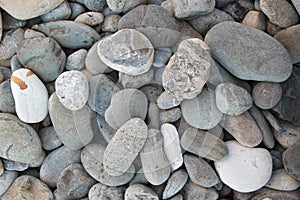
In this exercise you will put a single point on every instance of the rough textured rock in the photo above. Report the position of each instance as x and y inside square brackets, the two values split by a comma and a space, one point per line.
[282, 181]
[175, 183]
[139, 191]
[246, 52]
[266, 95]
[291, 160]
[101, 191]
[192, 191]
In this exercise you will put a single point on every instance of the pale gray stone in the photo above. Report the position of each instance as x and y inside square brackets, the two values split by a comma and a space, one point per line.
[167, 101]
[63, 11]
[123, 5]
[49, 138]
[170, 116]
[75, 61]
[138, 191]
[175, 183]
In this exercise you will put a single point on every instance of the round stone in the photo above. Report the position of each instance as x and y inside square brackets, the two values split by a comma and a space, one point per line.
[254, 167]
[72, 89]
[90, 18]
[101, 191]
[266, 95]
[127, 51]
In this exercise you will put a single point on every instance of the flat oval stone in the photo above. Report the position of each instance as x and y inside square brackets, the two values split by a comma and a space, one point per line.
[232, 99]
[19, 141]
[90, 18]
[187, 70]
[29, 9]
[245, 52]
[266, 95]
[69, 34]
[56, 162]
[175, 183]
[203, 144]
[291, 161]
[101, 191]
[43, 56]
[193, 191]
[92, 161]
[74, 128]
[250, 162]
[72, 89]
[282, 181]
[31, 96]
[127, 51]
[201, 112]
[49, 138]
[6, 179]
[124, 147]
[139, 191]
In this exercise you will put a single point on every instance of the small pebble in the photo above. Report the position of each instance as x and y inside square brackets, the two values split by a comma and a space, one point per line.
[49, 138]
[75, 61]
[14, 166]
[90, 18]
[7, 102]
[139, 191]
[175, 183]
[280, 180]
[10, 42]
[110, 23]
[161, 57]
[255, 19]
[266, 95]
[63, 11]
[101, 191]
[193, 191]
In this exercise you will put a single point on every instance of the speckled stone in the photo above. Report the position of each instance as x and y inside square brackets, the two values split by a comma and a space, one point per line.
[6, 179]
[90, 18]
[110, 23]
[75, 61]
[14, 166]
[63, 11]
[266, 95]
[139, 191]
[101, 191]
[175, 183]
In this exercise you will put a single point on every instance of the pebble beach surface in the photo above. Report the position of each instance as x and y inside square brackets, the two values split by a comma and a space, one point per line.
[149, 99]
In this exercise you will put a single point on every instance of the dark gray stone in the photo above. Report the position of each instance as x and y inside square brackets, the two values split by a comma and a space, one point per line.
[100, 191]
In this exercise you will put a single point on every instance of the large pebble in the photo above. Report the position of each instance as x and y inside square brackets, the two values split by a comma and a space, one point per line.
[291, 160]
[74, 128]
[100, 191]
[250, 162]
[127, 51]
[172, 145]
[43, 56]
[69, 34]
[63, 11]
[6, 179]
[202, 112]
[248, 53]
[7, 102]
[56, 162]
[19, 141]
[125, 146]
[154, 160]
[28, 187]
[30, 95]
[255, 19]
[192, 191]
[72, 89]
[11, 41]
[203, 144]
[49, 138]
[139, 191]
[29, 9]
[175, 183]
[200, 172]
[281, 180]
[187, 70]
[244, 129]
[92, 161]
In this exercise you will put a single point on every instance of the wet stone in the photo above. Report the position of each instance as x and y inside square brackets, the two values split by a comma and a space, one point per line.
[175, 183]
[101, 191]
[75, 61]
[63, 11]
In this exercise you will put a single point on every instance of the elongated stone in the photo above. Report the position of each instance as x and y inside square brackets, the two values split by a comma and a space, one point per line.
[175, 183]
[139, 191]
[281, 180]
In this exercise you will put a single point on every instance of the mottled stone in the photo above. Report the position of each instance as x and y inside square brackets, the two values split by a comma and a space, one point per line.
[110, 23]
[266, 95]
[129, 81]
[100, 192]
[291, 160]
[6, 179]
[75, 61]
[280, 180]
[49, 138]
[10, 42]
[175, 183]
[256, 20]
[193, 191]
[139, 191]
[63, 11]
[248, 53]
[90, 18]
[7, 102]
[123, 5]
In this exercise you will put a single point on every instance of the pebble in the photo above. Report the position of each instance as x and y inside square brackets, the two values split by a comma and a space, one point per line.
[7, 102]
[76, 10]
[193, 191]
[72, 89]
[30, 34]
[201, 112]
[187, 70]
[172, 145]
[193, 141]
[255, 19]
[123, 5]
[29, 9]
[170, 116]
[122, 53]
[55, 162]
[291, 160]
[155, 163]
[167, 101]
[9, 22]
[175, 183]
[152, 91]
[106, 131]
[43, 56]
[189, 9]
[279, 12]
[28, 187]
[232, 99]
[290, 135]
[250, 162]
[69, 34]
[267, 193]
[288, 38]
[14, 166]
[63, 11]
[74, 182]
[161, 57]
[19, 141]
[49, 138]
[1, 169]
[110, 23]
[296, 4]
[30, 95]
[200, 172]
[90, 18]
[6, 179]
[129, 81]
[15, 63]
[92, 161]
[94, 5]
[10, 42]
[75, 61]
[152, 119]
[125, 146]
[139, 191]
[125, 105]
[100, 191]
[282, 181]
[241, 50]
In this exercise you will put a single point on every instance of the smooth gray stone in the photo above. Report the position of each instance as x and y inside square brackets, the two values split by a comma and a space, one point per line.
[265, 193]
[92, 161]
[63, 11]
[9, 22]
[7, 102]
[74, 182]
[75, 61]
[245, 52]
[56, 162]
[139, 178]
[200, 172]
[192, 8]
[100, 191]
[123, 5]
[94, 5]
[153, 116]
[273, 121]
[161, 57]
[296, 4]
[110, 23]
[76, 9]
[14, 166]
[43, 56]
[139, 191]
[152, 91]
[6, 179]
[49, 138]
[102, 89]
[106, 131]
[10, 43]
[203, 144]
[167, 101]
[158, 75]
[266, 95]
[187, 30]
[281, 180]
[170, 116]
[69, 34]
[15, 63]
[18, 141]
[74, 128]
[291, 160]
[175, 183]
[129, 81]
[191, 191]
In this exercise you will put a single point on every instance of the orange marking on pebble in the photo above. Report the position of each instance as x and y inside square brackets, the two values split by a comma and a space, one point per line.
[19, 82]
[29, 73]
